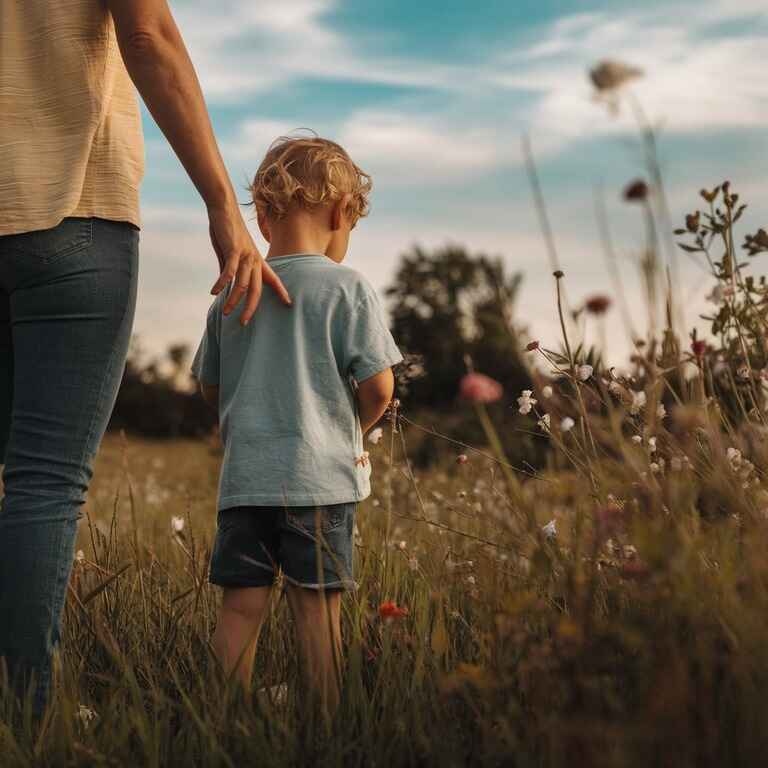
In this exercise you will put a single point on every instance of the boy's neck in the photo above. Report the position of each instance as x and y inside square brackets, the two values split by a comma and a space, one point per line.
[292, 241]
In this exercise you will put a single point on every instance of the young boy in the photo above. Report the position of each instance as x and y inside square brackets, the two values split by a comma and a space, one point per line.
[296, 390]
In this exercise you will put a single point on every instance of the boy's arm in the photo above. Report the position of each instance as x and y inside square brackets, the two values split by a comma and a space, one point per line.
[373, 397]
[210, 394]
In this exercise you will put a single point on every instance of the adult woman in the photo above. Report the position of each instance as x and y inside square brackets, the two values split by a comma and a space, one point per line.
[71, 160]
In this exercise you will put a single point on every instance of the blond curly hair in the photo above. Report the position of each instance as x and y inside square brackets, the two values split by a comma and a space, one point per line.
[308, 171]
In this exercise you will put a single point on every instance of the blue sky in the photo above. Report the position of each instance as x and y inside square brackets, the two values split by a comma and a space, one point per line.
[432, 98]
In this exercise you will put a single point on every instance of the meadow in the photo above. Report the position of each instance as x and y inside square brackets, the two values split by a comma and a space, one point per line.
[607, 608]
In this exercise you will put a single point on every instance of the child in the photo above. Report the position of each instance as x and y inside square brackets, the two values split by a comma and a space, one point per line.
[292, 420]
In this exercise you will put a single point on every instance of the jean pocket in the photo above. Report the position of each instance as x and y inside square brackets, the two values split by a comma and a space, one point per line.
[47, 246]
[305, 519]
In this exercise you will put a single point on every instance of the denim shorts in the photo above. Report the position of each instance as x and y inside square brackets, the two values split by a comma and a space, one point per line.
[311, 545]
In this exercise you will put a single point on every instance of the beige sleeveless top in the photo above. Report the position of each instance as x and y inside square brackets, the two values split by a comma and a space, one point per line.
[70, 129]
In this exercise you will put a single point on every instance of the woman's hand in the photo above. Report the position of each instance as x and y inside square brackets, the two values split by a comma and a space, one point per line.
[240, 260]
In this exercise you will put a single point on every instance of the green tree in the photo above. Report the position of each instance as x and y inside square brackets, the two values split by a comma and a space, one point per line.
[449, 306]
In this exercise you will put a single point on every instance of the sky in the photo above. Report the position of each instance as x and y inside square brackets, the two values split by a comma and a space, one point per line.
[432, 99]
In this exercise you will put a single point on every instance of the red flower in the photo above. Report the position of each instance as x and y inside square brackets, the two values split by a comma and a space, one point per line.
[597, 305]
[480, 389]
[390, 610]
[698, 347]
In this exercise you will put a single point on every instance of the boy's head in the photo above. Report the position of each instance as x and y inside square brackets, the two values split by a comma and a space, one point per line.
[310, 186]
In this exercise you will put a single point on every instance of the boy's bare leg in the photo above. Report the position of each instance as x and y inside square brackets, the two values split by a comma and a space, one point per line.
[241, 617]
[317, 615]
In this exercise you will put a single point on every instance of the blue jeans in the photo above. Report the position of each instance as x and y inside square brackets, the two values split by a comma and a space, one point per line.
[67, 299]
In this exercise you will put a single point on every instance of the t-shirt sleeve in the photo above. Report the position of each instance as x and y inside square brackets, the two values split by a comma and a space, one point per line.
[205, 366]
[367, 342]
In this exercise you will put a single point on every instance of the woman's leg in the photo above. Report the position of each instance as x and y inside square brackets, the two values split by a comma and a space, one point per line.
[72, 293]
[242, 615]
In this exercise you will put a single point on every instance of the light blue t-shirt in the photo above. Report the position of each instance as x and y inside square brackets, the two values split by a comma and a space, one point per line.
[287, 408]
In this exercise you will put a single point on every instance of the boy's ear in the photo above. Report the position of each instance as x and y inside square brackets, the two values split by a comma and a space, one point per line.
[340, 212]
[264, 226]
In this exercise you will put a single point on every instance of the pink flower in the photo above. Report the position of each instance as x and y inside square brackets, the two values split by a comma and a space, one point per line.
[480, 389]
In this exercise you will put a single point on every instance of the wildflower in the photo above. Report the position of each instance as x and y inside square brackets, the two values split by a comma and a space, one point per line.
[375, 435]
[362, 459]
[597, 305]
[543, 422]
[655, 467]
[661, 411]
[462, 458]
[637, 439]
[743, 372]
[470, 579]
[615, 388]
[734, 457]
[692, 222]
[531, 346]
[462, 494]
[558, 274]
[584, 372]
[526, 401]
[611, 75]
[80, 557]
[389, 611]
[698, 347]
[403, 545]
[636, 191]
[86, 715]
[177, 524]
[651, 445]
[546, 392]
[638, 402]
[479, 388]
[550, 529]
[567, 424]
[609, 519]
[376, 503]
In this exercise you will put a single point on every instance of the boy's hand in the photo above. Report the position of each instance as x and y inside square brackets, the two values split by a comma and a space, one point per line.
[240, 260]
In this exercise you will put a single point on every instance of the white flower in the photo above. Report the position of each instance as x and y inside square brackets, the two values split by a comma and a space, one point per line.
[526, 402]
[567, 424]
[550, 529]
[375, 435]
[80, 556]
[661, 411]
[544, 422]
[86, 715]
[177, 524]
[470, 579]
[637, 439]
[655, 468]
[734, 457]
[584, 372]
[403, 545]
[638, 402]
[546, 392]
[652, 445]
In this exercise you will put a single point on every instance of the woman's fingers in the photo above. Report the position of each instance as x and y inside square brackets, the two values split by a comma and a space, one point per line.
[254, 295]
[273, 281]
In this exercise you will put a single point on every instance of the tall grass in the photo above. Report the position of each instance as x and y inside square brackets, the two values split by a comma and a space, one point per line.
[607, 609]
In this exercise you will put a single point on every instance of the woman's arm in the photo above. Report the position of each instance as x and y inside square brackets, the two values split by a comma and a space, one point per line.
[160, 67]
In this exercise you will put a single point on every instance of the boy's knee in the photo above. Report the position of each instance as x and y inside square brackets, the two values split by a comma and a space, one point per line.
[244, 604]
